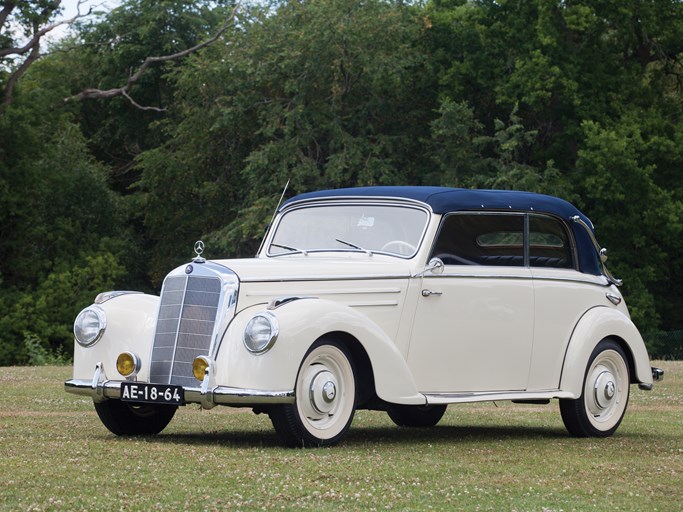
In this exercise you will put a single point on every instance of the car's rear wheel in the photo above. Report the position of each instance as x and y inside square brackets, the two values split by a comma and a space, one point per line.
[325, 398]
[416, 415]
[124, 419]
[600, 408]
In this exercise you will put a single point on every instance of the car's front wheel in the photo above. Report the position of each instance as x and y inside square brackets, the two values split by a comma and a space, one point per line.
[602, 404]
[325, 399]
[416, 415]
[124, 419]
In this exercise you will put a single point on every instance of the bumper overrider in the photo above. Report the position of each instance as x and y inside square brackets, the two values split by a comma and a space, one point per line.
[657, 376]
[100, 388]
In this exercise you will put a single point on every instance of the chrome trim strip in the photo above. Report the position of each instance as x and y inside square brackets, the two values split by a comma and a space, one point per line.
[355, 291]
[323, 278]
[491, 396]
[281, 301]
[572, 280]
[406, 276]
[176, 329]
[105, 296]
[481, 276]
[377, 303]
[508, 276]
[216, 395]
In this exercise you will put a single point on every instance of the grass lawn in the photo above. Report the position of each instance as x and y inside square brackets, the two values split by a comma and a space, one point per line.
[56, 455]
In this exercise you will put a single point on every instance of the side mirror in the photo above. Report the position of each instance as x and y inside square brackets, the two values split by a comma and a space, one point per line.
[435, 266]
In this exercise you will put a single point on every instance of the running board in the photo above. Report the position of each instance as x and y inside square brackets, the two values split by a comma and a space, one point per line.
[488, 396]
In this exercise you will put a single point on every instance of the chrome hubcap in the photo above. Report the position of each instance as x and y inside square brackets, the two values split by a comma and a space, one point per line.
[322, 391]
[329, 391]
[604, 389]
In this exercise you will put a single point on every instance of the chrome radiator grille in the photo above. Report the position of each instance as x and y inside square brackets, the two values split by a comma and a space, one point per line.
[184, 327]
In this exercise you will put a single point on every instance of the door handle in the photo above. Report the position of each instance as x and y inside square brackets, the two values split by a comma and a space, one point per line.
[427, 293]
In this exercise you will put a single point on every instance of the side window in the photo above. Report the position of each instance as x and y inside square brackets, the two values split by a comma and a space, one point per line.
[549, 243]
[481, 239]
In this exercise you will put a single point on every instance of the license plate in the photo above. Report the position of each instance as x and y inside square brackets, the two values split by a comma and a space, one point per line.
[152, 393]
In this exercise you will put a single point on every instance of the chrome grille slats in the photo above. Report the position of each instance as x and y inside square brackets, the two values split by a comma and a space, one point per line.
[185, 325]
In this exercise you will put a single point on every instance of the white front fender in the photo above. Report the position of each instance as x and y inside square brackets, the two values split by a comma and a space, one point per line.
[131, 320]
[302, 322]
[597, 324]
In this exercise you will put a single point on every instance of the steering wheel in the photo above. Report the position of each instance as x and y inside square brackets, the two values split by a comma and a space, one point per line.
[400, 244]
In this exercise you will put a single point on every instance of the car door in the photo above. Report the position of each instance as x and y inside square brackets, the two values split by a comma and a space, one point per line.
[473, 327]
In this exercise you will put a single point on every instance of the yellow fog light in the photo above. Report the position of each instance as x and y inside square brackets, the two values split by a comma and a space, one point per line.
[127, 364]
[199, 367]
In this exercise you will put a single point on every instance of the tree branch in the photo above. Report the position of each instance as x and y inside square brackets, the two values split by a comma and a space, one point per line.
[33, 46]
[14, 77]
[124, 91]
[6, 10]
[38, 35]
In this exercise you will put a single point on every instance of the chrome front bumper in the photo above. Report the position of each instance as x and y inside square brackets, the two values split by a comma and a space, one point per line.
[100, 388]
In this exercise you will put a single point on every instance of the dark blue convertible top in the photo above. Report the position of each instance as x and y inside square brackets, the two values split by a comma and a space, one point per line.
[443, 200]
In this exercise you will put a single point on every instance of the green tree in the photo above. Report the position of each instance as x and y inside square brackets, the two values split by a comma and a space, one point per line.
[57, 213]
[41, 320]
[641, 221]
[595, 92]
[111, 50]
[326, 94]
[23, 26]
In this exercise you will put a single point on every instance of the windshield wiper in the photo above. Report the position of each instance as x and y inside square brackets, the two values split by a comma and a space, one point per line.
[293, 250]
[358, 247]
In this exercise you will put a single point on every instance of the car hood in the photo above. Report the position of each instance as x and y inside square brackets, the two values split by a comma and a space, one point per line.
[317, 267]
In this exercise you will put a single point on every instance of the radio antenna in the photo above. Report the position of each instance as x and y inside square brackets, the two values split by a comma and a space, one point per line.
[274, 214]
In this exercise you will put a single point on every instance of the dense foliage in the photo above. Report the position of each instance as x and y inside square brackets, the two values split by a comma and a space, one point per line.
[579, 99]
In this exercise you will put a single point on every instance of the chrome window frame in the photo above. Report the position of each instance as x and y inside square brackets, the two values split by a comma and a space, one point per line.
[601, 251]
[350, 201]
[573, 248]
[526, 246]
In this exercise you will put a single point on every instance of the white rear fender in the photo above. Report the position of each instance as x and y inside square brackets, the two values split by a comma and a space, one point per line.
[131, 320]
[597, 324]
[301, 323]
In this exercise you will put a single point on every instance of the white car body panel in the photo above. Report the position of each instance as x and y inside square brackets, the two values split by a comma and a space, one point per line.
[131, 320]
[475, 332]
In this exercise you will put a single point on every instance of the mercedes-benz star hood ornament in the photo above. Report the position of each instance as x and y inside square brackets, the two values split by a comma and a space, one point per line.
[198, 250]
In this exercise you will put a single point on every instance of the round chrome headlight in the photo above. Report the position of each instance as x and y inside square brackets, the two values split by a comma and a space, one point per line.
[89, 326]
[261, 332]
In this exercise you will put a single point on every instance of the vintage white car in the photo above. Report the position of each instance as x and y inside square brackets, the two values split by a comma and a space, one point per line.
[400, 299]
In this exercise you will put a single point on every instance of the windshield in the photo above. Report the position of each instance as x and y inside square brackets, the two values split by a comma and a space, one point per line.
[388, 229]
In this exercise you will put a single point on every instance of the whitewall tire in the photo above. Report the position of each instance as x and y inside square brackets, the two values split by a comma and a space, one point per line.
[325, 398]
[600, 408]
